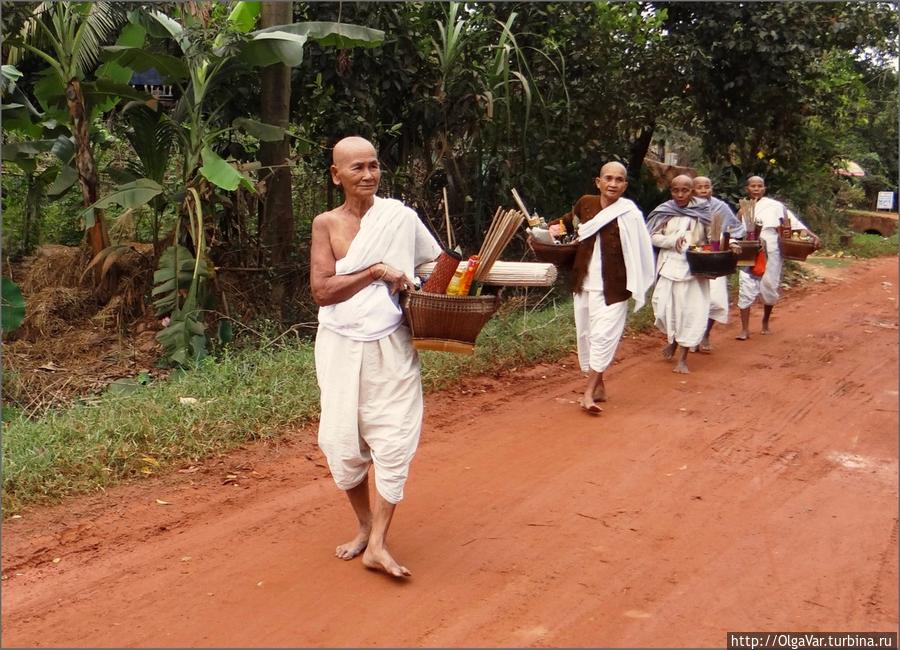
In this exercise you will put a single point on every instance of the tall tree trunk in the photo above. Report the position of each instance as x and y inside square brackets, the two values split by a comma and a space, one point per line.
[84, 163]
[276, 212]
[35, 192]
[639, 150]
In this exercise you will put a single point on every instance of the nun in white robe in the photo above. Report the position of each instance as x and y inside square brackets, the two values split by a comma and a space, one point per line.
[367, 369]
[718, 287]
[768, 213]
[599, 326]
[680, 299]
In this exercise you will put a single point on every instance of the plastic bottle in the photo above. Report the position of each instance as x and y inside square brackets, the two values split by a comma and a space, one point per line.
[456, 282]
[466, 282]
[785, 227]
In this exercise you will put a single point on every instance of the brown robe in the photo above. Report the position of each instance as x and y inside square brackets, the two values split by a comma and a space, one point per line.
[612, 265]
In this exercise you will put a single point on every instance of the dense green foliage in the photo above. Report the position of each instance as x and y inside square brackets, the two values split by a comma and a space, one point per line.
[488, 96]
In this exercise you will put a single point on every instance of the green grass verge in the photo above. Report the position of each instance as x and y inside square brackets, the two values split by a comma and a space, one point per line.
[829, 262]
[863, 245]
[245, 395]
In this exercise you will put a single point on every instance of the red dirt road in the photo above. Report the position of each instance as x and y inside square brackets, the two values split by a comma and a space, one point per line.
[758, 493]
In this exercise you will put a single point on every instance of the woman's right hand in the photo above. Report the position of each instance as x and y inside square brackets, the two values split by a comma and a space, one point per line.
[395, 279]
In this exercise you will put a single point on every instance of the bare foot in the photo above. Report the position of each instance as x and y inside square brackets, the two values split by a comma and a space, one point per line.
[381, 560]
[354, 547]
[600, 392]
[743, 336]
[681, 368]
[669, 350]
[765, 330]
[590, 407]
[704, 345]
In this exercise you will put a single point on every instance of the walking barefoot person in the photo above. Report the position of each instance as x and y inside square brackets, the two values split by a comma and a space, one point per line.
[718, 287]
[363, 254]
[768, 214]
[680, 299]
[614, 261]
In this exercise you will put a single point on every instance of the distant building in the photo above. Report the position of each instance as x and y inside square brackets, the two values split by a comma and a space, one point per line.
[152, 83]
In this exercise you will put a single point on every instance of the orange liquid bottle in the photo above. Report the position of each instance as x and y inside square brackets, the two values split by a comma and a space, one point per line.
[468, 276]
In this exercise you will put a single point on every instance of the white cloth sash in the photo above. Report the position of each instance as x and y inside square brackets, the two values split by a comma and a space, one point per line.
[768, 212]
[392, 233]
[636, 247]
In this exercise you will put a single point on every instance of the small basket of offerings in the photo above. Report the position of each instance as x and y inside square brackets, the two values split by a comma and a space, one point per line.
[447, 323]
[559, 254]
[796, 248]
[452, 321]
[547, 248]
[749, 251]
[710, 263]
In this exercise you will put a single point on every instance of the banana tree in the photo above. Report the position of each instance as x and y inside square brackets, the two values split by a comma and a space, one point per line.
[202, 67]
[67, 37]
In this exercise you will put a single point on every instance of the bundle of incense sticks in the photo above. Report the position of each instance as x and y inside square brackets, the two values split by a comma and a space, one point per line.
[714, 231]
[503, 226]
[747, 209]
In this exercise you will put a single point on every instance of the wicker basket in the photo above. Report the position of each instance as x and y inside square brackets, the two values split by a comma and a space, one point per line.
[711, 264]
[558, 254]
[749, 250]
[795, 249]
[447, 323]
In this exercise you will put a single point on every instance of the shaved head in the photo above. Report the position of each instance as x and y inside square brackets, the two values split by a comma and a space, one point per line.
[613, 166]
[355, 168]
[702, 187]
[682, 188]
[612, 182]
[349, 147]
[682, 179]
[756, 187]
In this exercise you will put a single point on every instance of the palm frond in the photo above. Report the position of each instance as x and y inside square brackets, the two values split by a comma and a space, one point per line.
[103, 21]
[30, 33]
[151, 136]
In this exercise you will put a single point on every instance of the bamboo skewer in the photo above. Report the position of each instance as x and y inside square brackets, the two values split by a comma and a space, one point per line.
[520, 203]
[447, 221]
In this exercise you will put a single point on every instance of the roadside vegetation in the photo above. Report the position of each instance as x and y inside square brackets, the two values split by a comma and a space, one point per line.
[137, 429]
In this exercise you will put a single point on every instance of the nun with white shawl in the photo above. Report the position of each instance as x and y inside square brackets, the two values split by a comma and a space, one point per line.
[680, 299]
[614, 262]
[363, 255]
[718, 287]
[768, 214]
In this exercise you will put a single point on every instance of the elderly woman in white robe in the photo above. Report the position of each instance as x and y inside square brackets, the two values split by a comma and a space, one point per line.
[768, 214]
[680, 299]
[363, 254]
